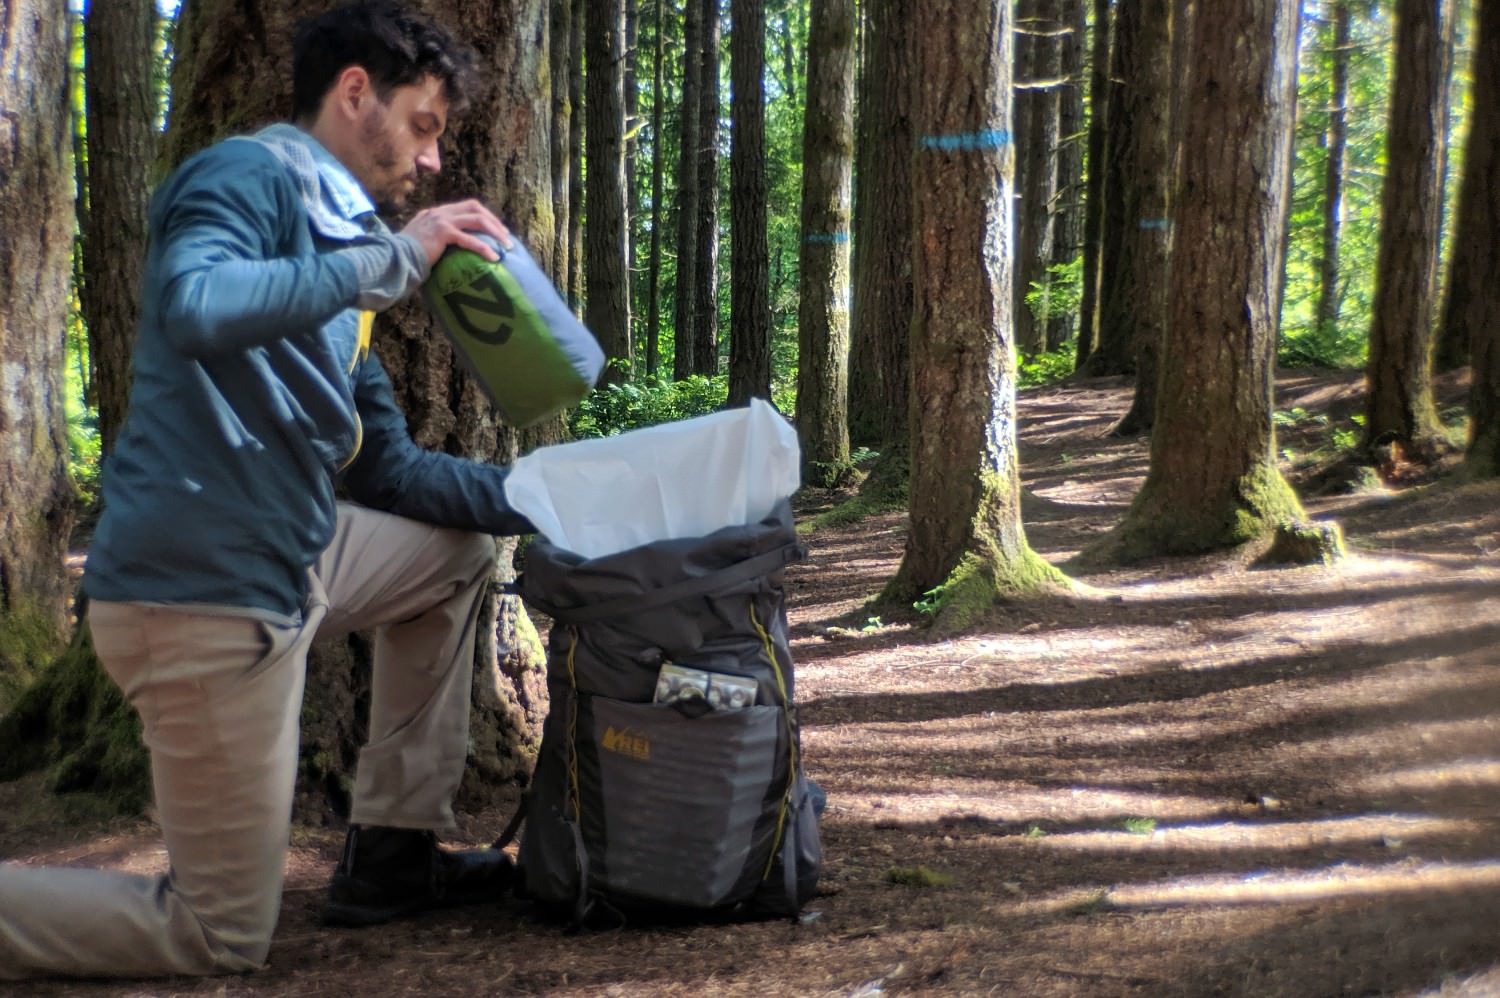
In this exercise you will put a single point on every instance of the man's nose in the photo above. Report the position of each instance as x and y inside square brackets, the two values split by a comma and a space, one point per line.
[429, 160]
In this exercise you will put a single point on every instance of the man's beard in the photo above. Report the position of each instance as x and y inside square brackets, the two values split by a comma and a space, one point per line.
[389, 195]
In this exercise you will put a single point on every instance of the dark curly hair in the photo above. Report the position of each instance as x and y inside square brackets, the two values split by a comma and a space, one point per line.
[395, 45]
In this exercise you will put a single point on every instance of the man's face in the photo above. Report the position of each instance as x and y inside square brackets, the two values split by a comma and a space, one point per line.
[398, 141]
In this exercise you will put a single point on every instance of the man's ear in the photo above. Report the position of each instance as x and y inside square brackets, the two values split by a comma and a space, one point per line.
[351, 90]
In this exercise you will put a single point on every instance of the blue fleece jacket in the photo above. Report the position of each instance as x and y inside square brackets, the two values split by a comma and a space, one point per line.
[254, 389]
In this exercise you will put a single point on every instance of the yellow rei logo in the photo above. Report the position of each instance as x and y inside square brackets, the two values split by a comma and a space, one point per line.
[626, 742]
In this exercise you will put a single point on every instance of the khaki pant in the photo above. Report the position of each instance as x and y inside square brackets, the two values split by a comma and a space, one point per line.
[219, 697]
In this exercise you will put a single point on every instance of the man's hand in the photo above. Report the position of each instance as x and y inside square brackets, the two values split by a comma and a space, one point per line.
[455, 224]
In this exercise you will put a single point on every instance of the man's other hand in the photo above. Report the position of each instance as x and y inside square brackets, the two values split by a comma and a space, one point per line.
[455, 224]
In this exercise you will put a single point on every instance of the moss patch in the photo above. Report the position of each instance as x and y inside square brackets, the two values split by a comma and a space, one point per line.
[74, 723]
[1299, 543]
[885, 490]
[29, 642]
[1262, 500]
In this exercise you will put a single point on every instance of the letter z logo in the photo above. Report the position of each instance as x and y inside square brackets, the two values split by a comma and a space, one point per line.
[482, 310]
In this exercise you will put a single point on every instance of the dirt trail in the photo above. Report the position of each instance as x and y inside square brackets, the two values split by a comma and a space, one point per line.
[1199, 779]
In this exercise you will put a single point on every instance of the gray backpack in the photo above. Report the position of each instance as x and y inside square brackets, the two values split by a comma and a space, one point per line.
[669, 781]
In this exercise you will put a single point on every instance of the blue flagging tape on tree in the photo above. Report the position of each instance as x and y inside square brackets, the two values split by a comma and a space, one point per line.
[989, 138]
[1155, 223]
[826, 237]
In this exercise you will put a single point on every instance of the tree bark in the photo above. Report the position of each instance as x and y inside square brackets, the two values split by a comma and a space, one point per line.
[606, 271]
[749, 284]
[1213, 481]
[1037, 105]
[1474, 247]
[575, 285]
[706, 260]
[120, 93]
[966, 540]
[658, 216]
[36, 494]
[1333, 182]
[560, 31]
[688, 191]
[1114, 351]
[1400, 407]
[1142, 291]
[1095, 186]
[823, 314]
[880, 320]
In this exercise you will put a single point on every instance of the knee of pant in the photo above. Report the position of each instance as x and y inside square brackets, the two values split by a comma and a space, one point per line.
[477, 553]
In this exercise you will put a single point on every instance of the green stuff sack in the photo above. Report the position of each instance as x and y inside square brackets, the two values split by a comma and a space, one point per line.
[514, 331]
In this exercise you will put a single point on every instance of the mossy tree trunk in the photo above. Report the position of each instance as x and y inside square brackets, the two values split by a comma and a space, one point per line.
[966, 539]
[36, 495]
[606, 273]
[1478, 235]
[823, 310]
[1400, 404]
[1213, 481]
[880, 319]
[497, 152]
[120, 92]
[1142, 291]
[750, 280]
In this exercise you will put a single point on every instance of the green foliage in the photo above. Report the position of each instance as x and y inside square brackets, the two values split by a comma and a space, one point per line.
[1045, 368]
[1139, 826]
[615, 408]
[1060, 293]
[82, 417]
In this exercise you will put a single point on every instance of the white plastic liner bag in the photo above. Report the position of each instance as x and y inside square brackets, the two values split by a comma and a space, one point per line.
[683, 479]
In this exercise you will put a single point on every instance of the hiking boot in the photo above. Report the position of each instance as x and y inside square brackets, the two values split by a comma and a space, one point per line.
[386, 873]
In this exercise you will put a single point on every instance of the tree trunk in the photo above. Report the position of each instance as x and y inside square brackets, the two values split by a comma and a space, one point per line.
[749, 284]
[658, 216]
[880, 321]
[1037, 95]
[1400, 408]
[1067, 221]
[119, 44]
[706, 259]
[1143, 290]
[560, 30]
[688, 191]
[1213, 481]
[575, 286]
[36, 495]
[966, 540]
[606, 274]
[1474, 247]
[1114, 351]
[1333, 183]
[823, 314]
[1095, 192]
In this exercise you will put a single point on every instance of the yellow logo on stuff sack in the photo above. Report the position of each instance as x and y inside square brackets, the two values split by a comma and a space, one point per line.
[626, 742]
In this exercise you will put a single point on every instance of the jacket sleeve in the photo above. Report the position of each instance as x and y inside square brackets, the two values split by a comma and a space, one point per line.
[392, 473]
[218, 225]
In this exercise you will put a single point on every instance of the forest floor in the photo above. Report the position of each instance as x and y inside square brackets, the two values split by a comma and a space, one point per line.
[1195, 778]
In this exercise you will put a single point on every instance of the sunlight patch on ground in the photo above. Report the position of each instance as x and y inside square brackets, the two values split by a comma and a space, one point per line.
[1459, 773]
[1010, 803]
[1287, 835]
[1341, 881]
